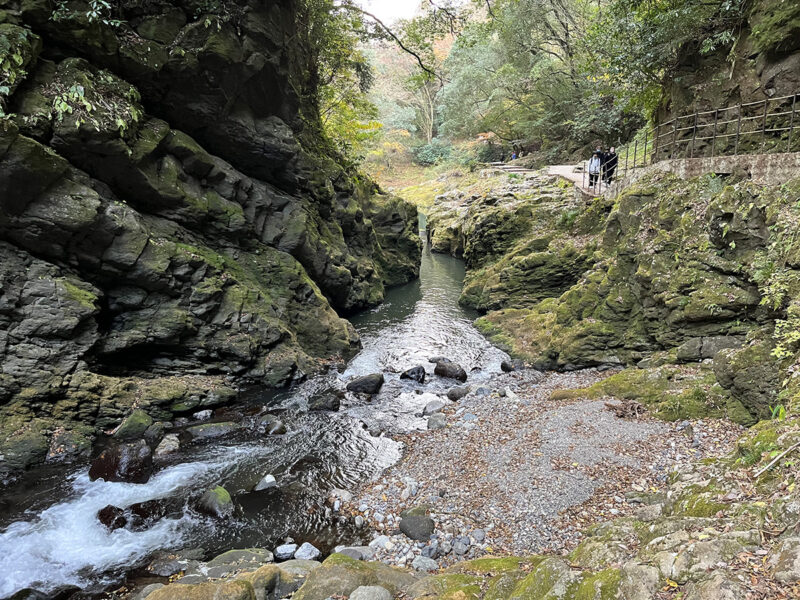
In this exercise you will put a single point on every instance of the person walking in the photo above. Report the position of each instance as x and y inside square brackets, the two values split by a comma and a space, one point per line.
[611, 161]
[595, 165]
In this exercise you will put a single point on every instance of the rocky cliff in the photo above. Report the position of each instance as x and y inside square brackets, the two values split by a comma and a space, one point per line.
[695, 282]
[171, 223]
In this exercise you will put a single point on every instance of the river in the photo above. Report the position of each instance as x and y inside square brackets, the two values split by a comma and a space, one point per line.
[50, 536]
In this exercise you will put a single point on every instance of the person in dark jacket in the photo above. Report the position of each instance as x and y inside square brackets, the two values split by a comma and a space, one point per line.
[610, 161]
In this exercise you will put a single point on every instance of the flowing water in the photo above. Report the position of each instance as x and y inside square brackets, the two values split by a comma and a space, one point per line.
[49, 533]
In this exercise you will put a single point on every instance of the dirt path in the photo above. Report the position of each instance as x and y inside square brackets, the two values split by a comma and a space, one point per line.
[523, 473]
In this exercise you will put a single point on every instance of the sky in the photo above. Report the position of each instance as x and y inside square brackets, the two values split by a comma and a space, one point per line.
[389, 11]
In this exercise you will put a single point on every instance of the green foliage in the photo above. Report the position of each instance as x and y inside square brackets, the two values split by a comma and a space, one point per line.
[636, 44]
[13, 44]
[433, 153]
[95, 11]
[778, 412]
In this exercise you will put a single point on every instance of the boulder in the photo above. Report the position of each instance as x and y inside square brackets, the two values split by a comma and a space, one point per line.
[131, 463]
[329, 402]
[432, 407]
[144, 514]
[423, 563]
[168, 445]
[246, 557]
[370, 592]
[307, 552]
[457, 393]
[112, 517]
[368, 384]
[507, 366]
[415, 373]
[417, 527]
[216, 502]
[450, 370]
[134, 425]
[285, 551]
[211, 430]
[437, 421]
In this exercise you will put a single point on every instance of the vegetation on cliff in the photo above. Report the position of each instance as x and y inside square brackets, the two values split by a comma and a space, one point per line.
[171, 206]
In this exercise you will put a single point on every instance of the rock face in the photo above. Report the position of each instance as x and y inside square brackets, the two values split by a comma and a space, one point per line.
[128, 248]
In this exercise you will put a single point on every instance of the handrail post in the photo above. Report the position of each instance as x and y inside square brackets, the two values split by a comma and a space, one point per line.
[738, 130]
[764, 128]
[694, 136]
[627, 150]
[791, 124]
[635, 148]
[674, 138]
[655, 150]
[714, 134]
[644, 160]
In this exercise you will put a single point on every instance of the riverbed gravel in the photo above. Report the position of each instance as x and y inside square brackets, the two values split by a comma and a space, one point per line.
[514, 472]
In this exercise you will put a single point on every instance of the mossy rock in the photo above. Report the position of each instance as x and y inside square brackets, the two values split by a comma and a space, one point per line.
[134, 425]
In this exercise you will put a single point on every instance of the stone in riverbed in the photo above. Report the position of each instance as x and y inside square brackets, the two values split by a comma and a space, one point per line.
[415, 373]
[461, 546]
[307, 552]
[433, 407]
[285, 551]
[368, 384]
[437, 421]
[171, 443]
[271, 425]
[211, 430]
[423, 563]
[134, 425]
[112, 517]
[457, 393]
[249, 557]
[507, 366]
[370, 592]
[130, 463]
[216, 502]
[329, 402]
[450, 370]
[267, 482]
[417, 527]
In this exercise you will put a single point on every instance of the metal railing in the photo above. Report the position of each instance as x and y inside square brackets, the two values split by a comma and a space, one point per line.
[763, 127]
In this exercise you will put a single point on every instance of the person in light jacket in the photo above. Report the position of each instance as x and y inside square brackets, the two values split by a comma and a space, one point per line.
[595, 163]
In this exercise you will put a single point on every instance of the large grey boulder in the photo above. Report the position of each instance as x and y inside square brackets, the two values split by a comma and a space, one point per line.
[417, 527]
[368, 384]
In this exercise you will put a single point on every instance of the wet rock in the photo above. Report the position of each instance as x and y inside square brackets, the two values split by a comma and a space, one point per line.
[437, 421]
[422, 563]
[368, 384]
[329, 402]
[170, 444]
[267, 482]
[508, 366]
[112, 517]
[202, 415]
[370, 592]
[285, 551]
[131, 463]
[433, 407]
[450, 370]
[144, 514]
[211, 430]
[417, 527]
[216, 502]
[155, 432]
[307, 552]
[457, 393]
[271, 425]
[415, 373]
[134, 425]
